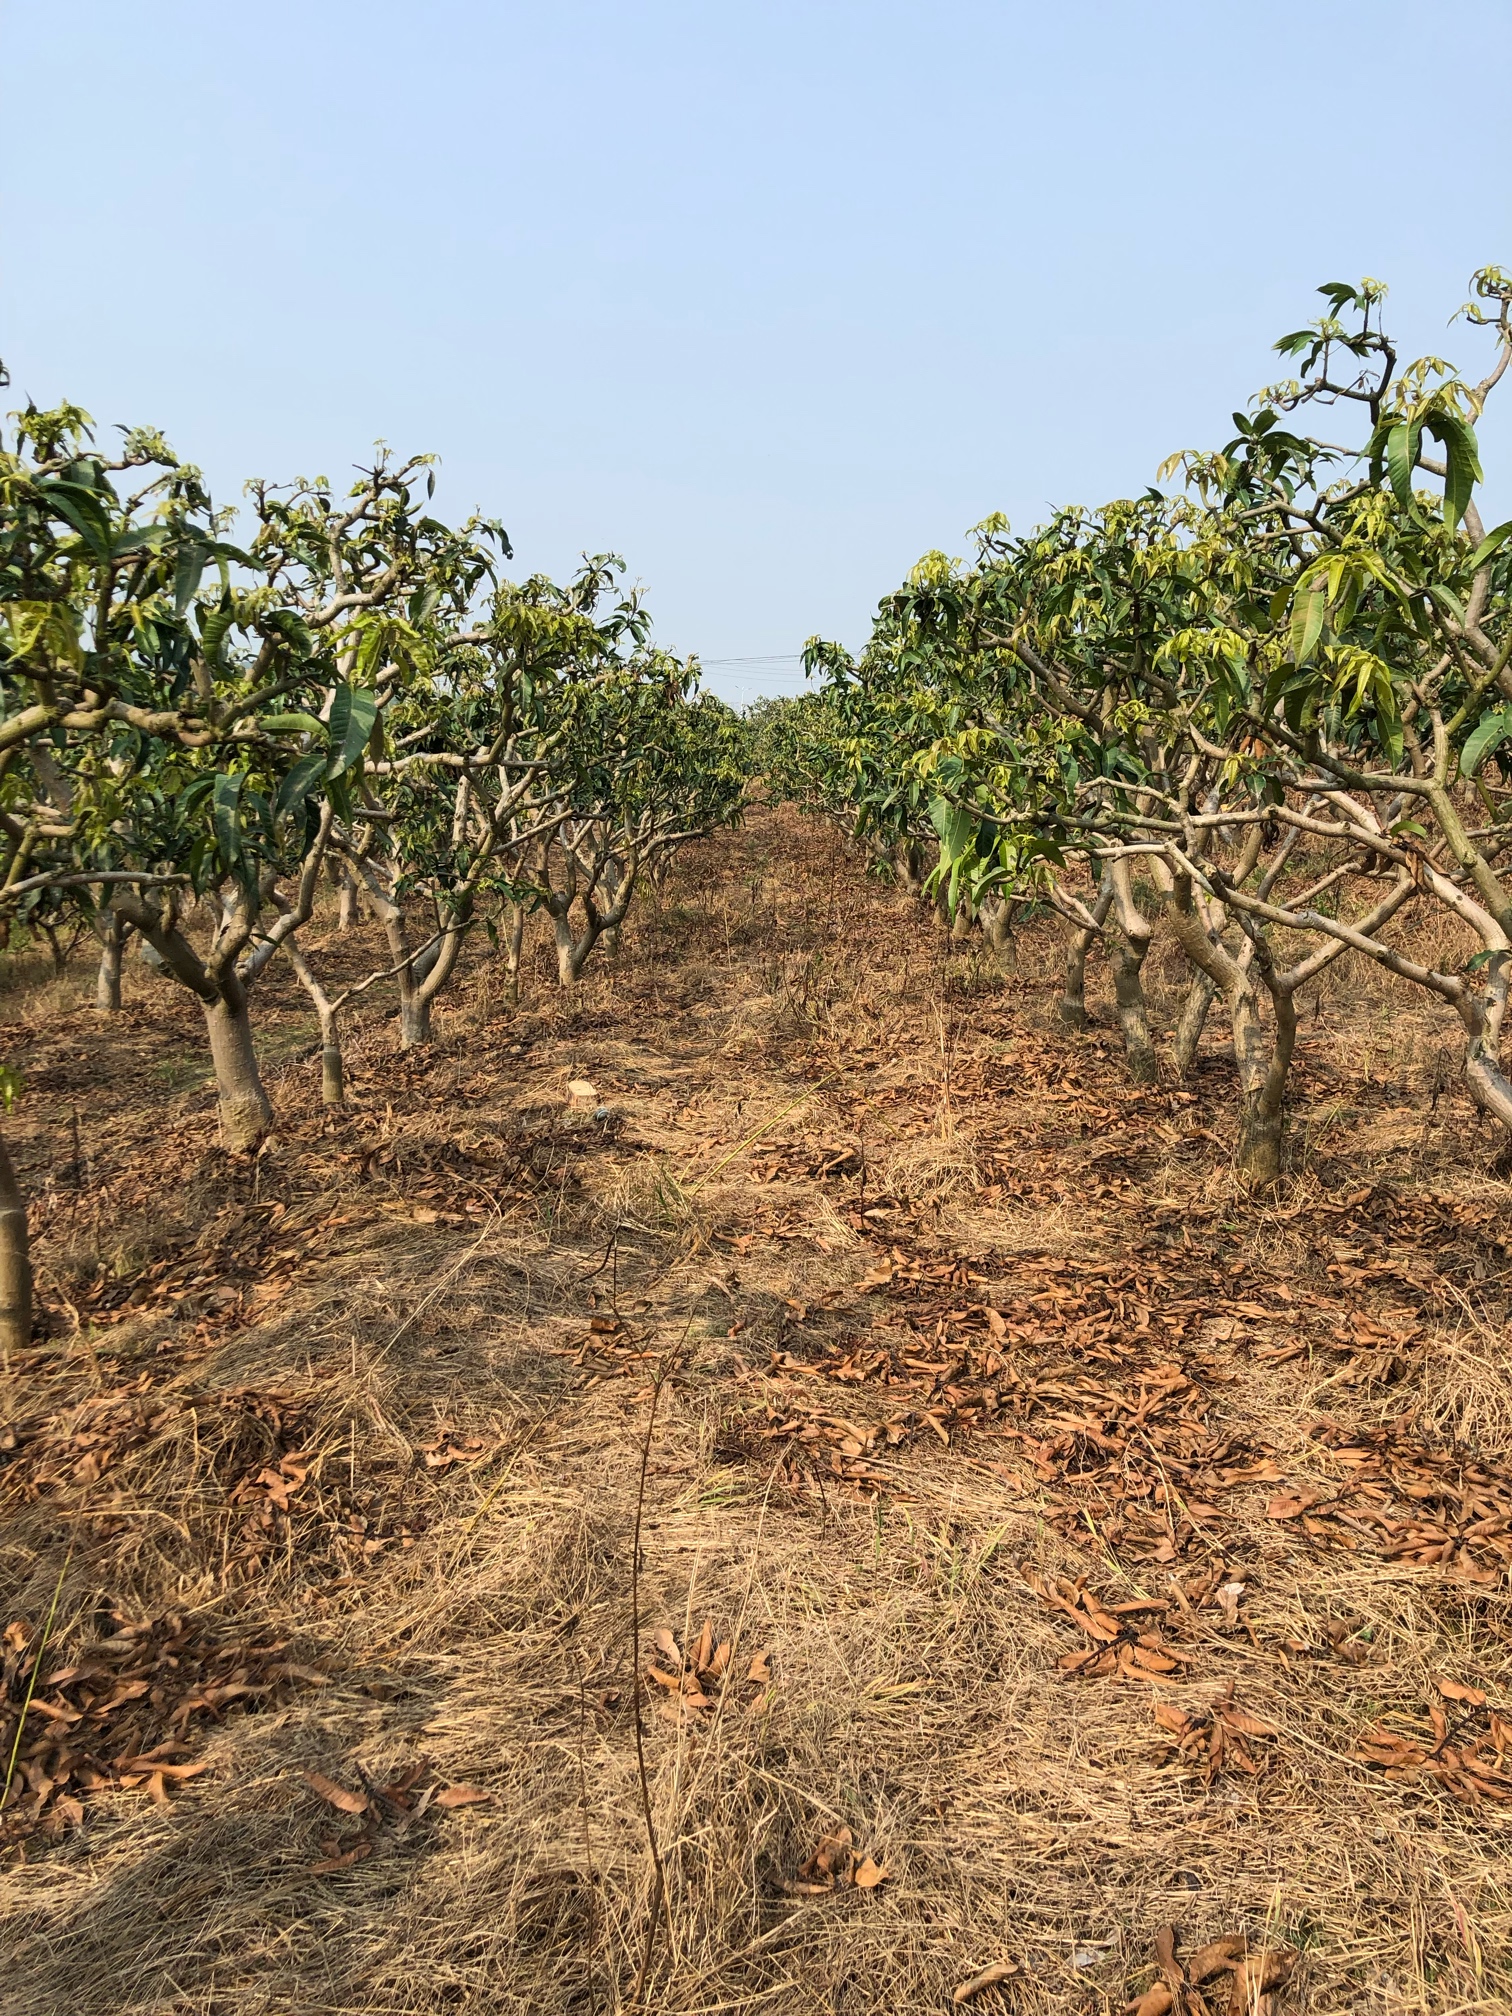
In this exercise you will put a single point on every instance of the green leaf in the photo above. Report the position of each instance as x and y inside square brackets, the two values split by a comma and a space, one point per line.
[292, 628]
[291, 724]
[353, 712]
[187, 575]
[300, 782]
[81, 509]
[1401, 459]
[1461, 462]
[1491, 730]
[1307, 623]
[1490, 546]
[214, 628]
[226, 816]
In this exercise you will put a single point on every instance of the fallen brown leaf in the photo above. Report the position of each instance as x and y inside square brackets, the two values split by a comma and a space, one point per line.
[1456, 1690]
[336, 1795]
[461, 1795]
[1216, 1955]
[1155, 2001]
[1001, 1970]
[358, 1854]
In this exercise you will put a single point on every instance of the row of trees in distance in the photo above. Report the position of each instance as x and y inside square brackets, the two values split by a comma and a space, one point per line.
[1270, 707]
[201, 731]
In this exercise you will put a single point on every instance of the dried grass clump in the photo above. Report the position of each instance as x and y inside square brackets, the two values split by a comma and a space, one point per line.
[934, 1169]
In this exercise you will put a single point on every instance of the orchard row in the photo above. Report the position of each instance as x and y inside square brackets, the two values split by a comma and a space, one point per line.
[1270, 710]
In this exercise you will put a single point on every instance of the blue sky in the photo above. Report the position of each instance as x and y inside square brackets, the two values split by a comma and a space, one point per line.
[768, 298]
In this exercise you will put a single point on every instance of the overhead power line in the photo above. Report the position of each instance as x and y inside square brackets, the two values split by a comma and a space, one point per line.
[772, 658]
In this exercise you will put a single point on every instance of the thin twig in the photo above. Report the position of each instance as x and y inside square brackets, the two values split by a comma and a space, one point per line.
[659, 1897]
[587, 1840]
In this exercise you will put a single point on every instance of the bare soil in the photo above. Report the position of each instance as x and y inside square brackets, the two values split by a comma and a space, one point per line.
[1040, 1543]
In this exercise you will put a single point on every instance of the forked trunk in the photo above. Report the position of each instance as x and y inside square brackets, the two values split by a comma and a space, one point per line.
[572, 953]
[996, 922]
[1191, 1022]
[1262, 1062]
[246, 1114]
[1133, 1019]
[1072, 1006]
[1263, 1067]
[15, 1263]
[414, 1003]
[113, 932]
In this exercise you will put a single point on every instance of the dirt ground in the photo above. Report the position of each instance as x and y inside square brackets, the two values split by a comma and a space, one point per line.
[1039, 1543]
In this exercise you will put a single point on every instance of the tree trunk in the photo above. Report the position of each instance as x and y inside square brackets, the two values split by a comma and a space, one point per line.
[514, 940]
[1263, 1067]
[572, 953]
[611, 881]
[1191, 1022]
[1133, 1018]
[108, 980]
[996, 922]
[1482, 1015]
[1134, 936]
[346, 915]
[1072, 1007]
[246, 1114]
[332, 1070]
[909, 868]
[1259, 1156]
[414, 1019]
[332, 1073]
[962, 923]
[15, 1264]
[414, 1003]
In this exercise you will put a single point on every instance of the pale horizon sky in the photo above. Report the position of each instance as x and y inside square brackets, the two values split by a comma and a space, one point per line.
[769, 299]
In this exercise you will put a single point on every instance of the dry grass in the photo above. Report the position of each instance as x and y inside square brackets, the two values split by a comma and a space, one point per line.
[804, 1080]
